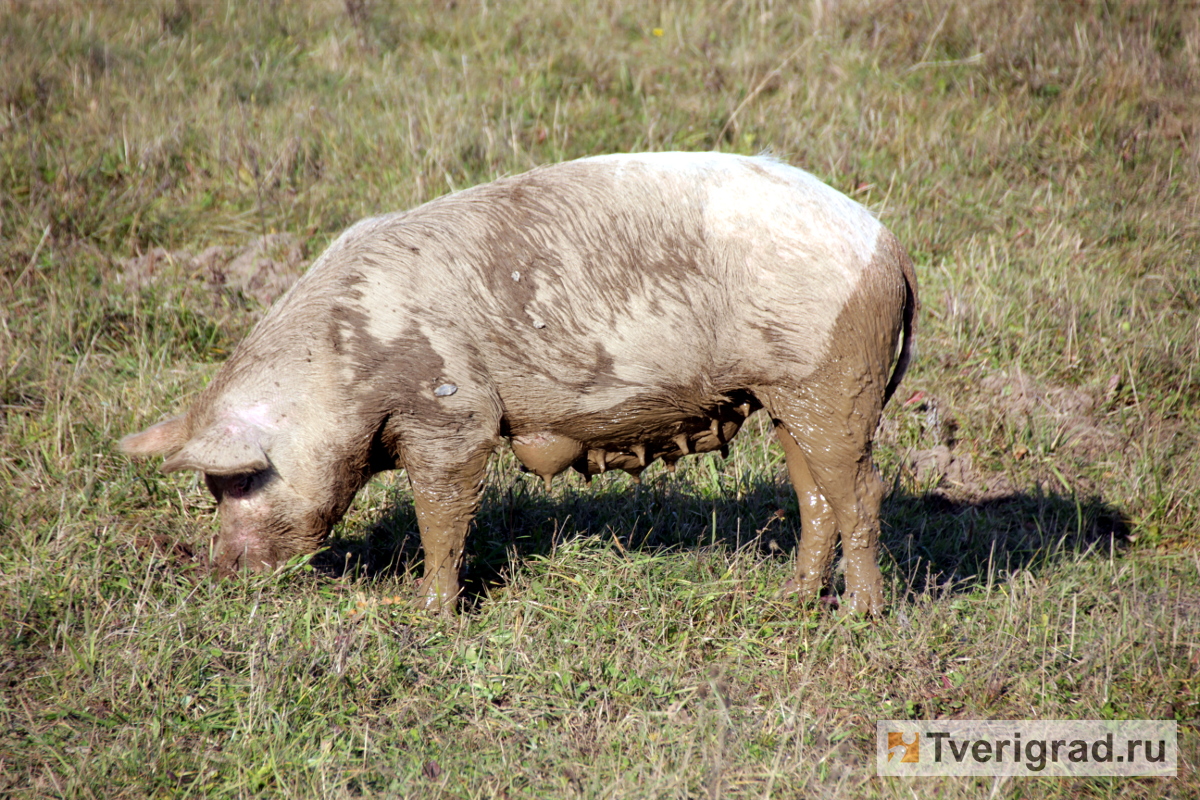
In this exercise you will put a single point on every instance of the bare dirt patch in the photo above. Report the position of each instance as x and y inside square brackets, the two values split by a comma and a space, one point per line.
[262, 270]
[1070, 421]
[1077, 411]
[176, 555]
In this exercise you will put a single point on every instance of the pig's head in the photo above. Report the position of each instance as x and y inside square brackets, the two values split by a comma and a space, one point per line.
[273, 502]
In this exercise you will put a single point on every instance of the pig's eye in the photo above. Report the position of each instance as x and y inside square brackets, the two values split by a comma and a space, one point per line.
[233, 486]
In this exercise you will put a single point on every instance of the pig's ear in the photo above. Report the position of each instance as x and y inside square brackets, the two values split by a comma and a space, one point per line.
[221, 449]
[157, 440]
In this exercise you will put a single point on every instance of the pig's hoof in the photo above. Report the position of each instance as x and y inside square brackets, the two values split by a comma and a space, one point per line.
[798, 590]
[428, 598]
[802, 590]
[867, 603]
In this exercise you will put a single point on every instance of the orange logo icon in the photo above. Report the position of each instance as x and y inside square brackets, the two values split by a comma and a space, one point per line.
[909, 749]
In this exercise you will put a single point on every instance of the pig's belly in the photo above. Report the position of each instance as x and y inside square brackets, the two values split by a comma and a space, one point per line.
[630, 438]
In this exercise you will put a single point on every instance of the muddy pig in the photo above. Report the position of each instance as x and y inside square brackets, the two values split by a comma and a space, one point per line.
[596, 315]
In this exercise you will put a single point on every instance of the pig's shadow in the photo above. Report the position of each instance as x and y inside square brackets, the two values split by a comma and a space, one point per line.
[930, 542]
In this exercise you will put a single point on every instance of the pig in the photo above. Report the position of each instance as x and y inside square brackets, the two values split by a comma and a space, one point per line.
[597, 314]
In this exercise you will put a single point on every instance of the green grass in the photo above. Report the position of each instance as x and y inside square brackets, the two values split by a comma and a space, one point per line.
[1039, 160]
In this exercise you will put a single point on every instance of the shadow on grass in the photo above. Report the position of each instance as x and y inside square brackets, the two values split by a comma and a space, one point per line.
[930, 542]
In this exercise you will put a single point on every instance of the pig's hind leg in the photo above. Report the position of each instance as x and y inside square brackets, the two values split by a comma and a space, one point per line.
[818, 525]
[826, 428]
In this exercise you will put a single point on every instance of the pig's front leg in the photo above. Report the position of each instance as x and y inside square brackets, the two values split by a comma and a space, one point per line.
[446, 499]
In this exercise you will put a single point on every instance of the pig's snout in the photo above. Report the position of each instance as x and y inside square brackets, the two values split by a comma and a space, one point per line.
[252, 535]
[232, 554]
[265, 521]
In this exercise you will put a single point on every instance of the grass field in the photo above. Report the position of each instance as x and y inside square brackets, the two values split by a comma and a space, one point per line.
[165, 164]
